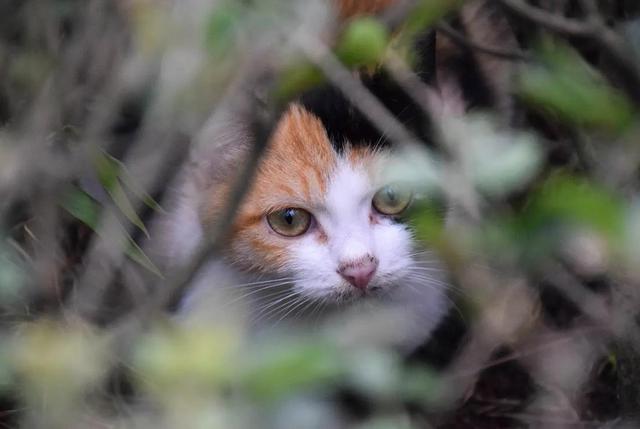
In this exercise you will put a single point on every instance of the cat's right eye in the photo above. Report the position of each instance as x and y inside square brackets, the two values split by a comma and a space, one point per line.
[290, 222]
[391, 200]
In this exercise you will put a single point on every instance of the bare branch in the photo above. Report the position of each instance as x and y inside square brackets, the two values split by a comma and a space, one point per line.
[609, 42]
[355, 91]
[460, 39]
[555, 23]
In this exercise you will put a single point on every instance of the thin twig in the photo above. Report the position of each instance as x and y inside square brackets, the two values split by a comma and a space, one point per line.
[605, 38]
[461, 40]
[396, 15]
[170, 291]
[356, 92]
[555, 23]
[264, 123]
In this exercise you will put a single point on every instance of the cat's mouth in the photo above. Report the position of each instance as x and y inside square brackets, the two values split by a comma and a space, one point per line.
[349, 295]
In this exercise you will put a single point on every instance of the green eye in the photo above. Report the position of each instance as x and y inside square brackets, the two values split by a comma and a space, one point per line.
[391, 200]
[290, 222]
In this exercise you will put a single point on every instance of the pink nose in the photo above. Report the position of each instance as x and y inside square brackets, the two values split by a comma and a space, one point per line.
[359, 274]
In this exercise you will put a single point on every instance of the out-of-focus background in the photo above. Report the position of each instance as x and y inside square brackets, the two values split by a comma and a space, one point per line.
[532, 183]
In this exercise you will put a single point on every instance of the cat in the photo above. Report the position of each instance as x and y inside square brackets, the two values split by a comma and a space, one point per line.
[320, 230]
[319, 222]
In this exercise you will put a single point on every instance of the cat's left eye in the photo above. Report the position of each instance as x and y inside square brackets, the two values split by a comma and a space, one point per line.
[290, 222]
[391, 200]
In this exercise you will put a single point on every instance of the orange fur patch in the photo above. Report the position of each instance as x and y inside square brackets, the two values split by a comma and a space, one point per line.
[360, 155]
[293, 173]
[366, 158]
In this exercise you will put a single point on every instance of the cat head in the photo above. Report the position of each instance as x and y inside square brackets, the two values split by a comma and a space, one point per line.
[319, 210]
[322, 214]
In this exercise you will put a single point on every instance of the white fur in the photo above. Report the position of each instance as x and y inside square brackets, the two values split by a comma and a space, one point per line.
[354, 230]
[345, 219]
[419, 304]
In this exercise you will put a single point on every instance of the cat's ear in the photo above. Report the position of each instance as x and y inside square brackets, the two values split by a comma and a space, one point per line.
[467, 78]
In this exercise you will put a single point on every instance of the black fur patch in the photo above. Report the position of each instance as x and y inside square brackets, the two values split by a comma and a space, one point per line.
[464, 67]
[345, 123]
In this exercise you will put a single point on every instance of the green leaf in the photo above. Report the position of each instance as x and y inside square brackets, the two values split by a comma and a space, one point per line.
[175, 361]
[82, 207]
[107, 169]
[574, 200]
[55, 360]
[427, 12]
[376, 372]
[289, 367]
[363, 43]
[119, 197]
[296, 78]
[516, 166]
[417, 167]
[112, 174]
[564, 85]
[136, 254]
[222, 28]
[561, 204]
[427, 220]
[499, 160]
[114, 171]
[421, 385]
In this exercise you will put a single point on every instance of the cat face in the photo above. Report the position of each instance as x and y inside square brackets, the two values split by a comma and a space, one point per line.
[321, 216]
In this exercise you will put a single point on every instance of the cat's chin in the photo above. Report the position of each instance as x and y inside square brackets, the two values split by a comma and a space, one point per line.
[223, 295]
[346, 295]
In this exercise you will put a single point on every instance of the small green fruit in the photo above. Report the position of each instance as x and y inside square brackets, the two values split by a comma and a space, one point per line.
[363, 43]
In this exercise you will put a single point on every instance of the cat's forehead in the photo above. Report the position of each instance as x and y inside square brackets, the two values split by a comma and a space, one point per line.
[302, 161]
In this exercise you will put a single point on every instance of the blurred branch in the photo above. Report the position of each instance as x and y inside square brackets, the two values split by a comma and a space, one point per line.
[557, 24]
[609, 42]
[594, 306]
[355, 91]
[465, 42]
[411, 84]
[396, 15]
[169, 292]
[590, 9]
[264, 121]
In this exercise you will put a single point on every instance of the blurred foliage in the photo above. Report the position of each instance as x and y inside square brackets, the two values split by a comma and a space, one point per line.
[500, 200]
[428, 12]
[222, 28]
[83, 207]
[363, 43]
[564, 85]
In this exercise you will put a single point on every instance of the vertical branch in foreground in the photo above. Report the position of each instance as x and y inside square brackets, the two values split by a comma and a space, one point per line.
[263, 119]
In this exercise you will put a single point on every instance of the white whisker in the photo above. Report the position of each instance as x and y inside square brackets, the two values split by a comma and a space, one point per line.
[256, 283]
[282, 308]
[275, 304]
[303, 301]
[258, 290]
